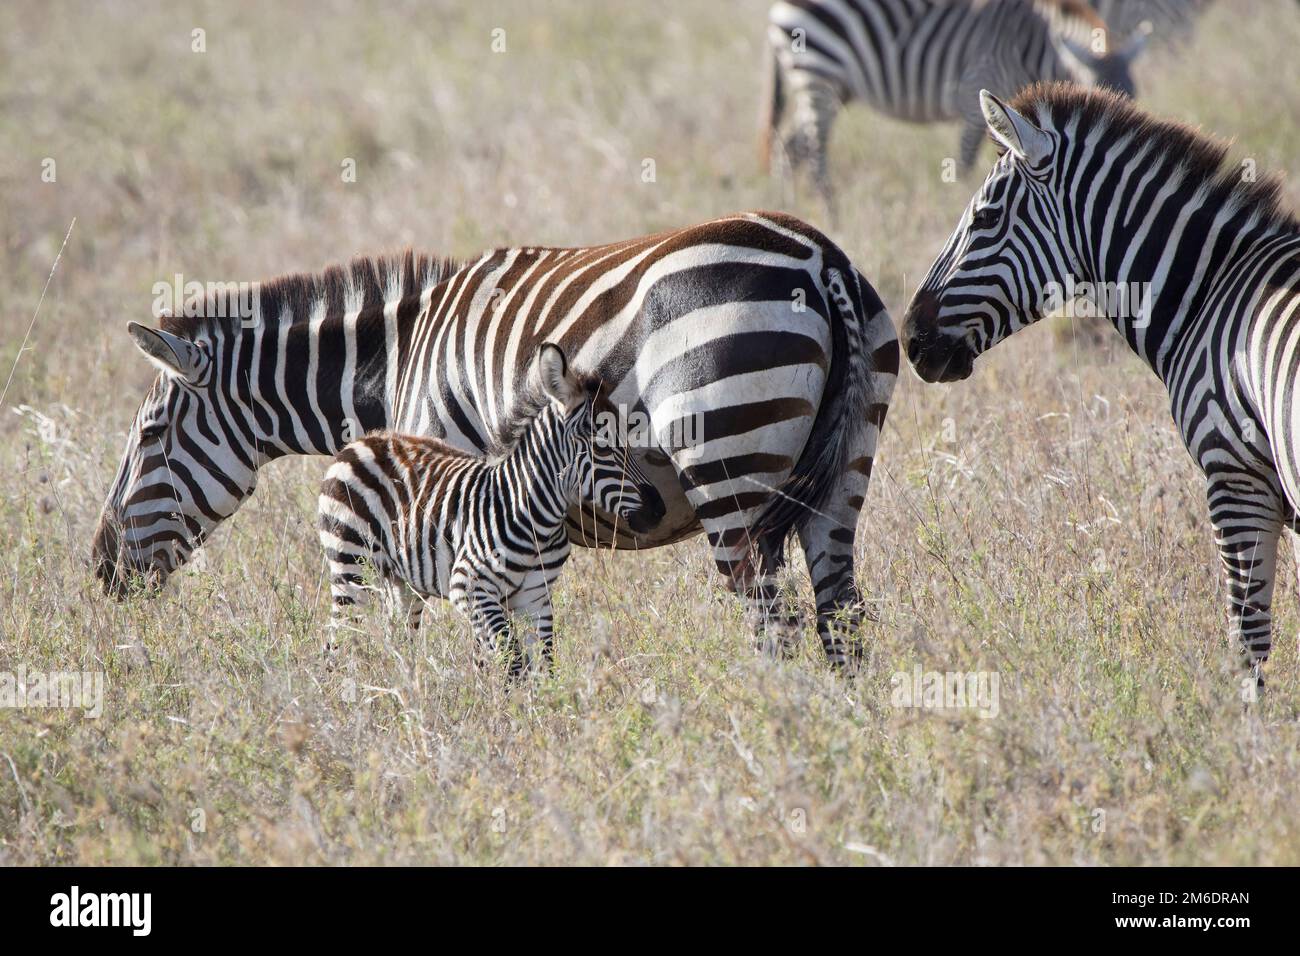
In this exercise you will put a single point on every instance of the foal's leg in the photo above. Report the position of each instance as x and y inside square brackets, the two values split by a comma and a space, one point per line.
[490, 621]
[345, 552]
[537, 635]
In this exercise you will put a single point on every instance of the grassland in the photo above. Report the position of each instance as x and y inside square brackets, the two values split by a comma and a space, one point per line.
[1040, 521]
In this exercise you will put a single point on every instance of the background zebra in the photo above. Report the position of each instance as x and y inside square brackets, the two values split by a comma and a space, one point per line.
[1091, 190]
[923, 61]
[488, 535]
[756, 359]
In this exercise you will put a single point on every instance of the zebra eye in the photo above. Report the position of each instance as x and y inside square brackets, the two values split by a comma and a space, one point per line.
[985, 218]
[153, 431]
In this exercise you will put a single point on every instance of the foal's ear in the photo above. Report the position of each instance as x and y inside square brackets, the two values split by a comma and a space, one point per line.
[558, 381]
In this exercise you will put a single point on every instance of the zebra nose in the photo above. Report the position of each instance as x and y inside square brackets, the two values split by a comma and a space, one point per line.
[652, 502]
[918, 323]
[105, 556]
[913, 350]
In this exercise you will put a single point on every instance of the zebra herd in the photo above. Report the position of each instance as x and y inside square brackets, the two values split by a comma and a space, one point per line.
[468, 403]
[755, 325]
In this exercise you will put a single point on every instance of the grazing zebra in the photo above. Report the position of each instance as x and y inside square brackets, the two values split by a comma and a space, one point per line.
[755, 359]
[923, 61]
[1089, 189]
[488, 535]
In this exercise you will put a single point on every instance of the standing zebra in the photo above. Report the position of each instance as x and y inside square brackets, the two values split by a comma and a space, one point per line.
[488, 535]
[1089, 189]
[923, 61]
[757, 359]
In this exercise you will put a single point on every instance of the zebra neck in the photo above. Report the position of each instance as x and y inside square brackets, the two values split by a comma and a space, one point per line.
[319, 384]
[1160, 278]
[534, 473]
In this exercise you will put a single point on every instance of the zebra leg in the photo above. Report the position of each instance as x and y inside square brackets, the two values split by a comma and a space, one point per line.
[538, 634]
[816, 104]
[1247, 542]
[345, 552]
[752, 575]
[490, 622]
[972, 135]
[827, 534]
[827, 540]
[406, 604]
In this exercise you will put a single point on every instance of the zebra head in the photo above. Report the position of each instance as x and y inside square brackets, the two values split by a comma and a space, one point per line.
[1110, 70]
[998, 270]
[180, 474]
[599, 470]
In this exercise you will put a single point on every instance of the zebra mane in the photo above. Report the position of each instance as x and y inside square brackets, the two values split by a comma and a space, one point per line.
[365, 282]
[504, 439]
[1200, 160]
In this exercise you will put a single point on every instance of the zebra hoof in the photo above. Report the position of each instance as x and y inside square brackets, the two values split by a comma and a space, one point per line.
[849, 661]
[776, 648]
[1252, 684]
[779, 640]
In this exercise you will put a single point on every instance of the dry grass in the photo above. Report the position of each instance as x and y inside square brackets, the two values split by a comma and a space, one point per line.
[1040, 521]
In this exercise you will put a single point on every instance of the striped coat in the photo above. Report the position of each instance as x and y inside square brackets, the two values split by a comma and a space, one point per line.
[923, 61]
[487, 534]
[1091, 190]
[752, 362]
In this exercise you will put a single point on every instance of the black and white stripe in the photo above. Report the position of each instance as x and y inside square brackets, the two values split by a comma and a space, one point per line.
[1091, 190]
[486, 534]
[756, 360]
[923, 61]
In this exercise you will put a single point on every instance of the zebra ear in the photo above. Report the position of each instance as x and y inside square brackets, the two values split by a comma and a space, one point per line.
[1078, 59]
[1136, 42]
[1014, 131]
[553, 370]
[171, 353]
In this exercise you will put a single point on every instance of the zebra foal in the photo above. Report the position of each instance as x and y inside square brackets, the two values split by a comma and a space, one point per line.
[487, 534]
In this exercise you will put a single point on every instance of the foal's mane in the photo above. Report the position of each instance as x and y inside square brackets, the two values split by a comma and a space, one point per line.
[504, 439]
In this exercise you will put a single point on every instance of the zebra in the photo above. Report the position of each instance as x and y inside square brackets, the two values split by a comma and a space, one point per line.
[1090, 189]
[923, 61]
[487, 534]
[753, 362]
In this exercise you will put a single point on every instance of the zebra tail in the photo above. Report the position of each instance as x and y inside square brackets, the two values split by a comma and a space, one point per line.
[772, 110]
[864, 368]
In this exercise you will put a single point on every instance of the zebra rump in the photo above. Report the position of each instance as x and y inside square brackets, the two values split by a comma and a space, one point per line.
[851, 404]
